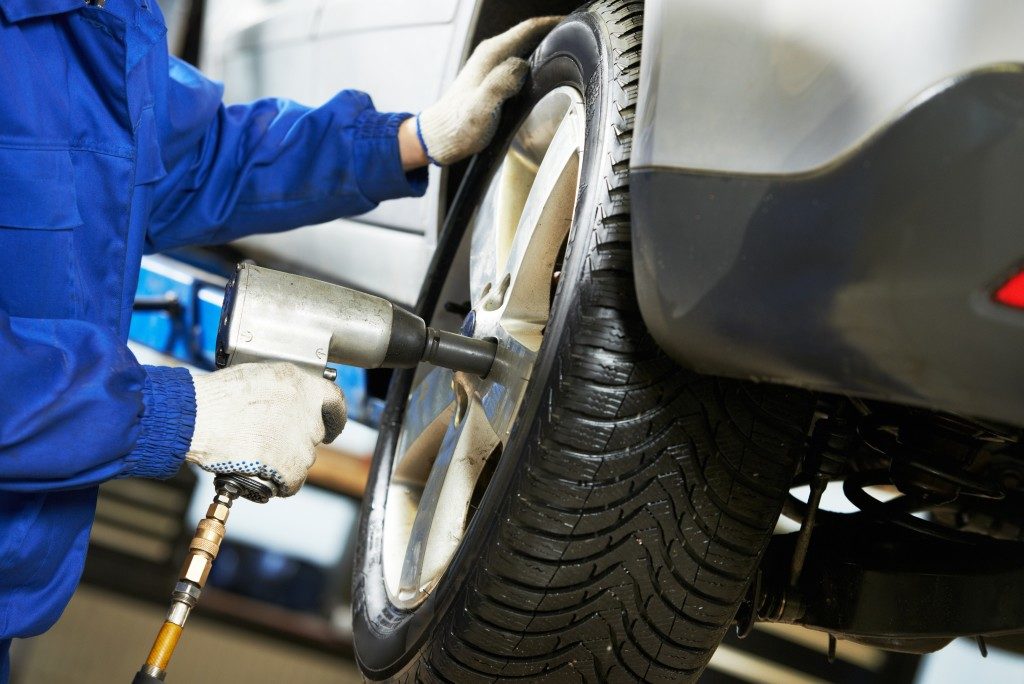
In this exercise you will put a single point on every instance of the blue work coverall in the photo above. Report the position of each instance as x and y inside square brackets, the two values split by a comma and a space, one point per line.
[109, 149]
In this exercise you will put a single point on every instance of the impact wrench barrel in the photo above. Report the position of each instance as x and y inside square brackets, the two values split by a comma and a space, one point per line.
[275, 316]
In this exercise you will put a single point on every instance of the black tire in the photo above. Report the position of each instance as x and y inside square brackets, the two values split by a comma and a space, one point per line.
[630, 509]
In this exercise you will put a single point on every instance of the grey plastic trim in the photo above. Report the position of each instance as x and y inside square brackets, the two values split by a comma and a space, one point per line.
[872, 276]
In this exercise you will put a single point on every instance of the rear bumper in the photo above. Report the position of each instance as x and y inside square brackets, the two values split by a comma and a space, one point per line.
[869, 277]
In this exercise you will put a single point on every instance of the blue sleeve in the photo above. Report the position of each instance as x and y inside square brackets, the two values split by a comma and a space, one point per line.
[269, 165]
[77, 409]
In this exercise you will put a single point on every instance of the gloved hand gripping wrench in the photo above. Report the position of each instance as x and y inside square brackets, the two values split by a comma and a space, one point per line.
[274, 316]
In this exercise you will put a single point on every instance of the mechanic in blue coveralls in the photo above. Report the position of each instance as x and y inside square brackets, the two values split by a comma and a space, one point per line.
[110, 149]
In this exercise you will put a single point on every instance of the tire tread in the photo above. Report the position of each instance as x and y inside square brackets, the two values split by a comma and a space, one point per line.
[640, 517]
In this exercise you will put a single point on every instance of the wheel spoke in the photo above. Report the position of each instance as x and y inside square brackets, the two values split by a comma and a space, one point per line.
[444, 506]
[507, 384]
[542, 227]
[427, 414]
[483, 256]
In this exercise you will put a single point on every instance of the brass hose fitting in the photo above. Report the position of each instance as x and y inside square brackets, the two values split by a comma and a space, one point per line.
[195, 570]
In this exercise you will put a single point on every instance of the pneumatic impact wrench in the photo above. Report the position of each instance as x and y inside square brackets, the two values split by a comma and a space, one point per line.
[274, 316]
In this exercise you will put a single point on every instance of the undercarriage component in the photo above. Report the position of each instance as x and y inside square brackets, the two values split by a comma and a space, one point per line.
[831, 439]
[895, 588]
[920, 563]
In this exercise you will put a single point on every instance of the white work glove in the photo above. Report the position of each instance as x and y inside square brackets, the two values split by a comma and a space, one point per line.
[463, 121]
[264, 419]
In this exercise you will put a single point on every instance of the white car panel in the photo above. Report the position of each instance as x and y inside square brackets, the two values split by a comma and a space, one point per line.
[249, 75]
[387, 262]
[368, 61]
[353, 16]
[401, 52]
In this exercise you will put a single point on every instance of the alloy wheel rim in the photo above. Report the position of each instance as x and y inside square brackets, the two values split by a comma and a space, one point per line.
[456, 425]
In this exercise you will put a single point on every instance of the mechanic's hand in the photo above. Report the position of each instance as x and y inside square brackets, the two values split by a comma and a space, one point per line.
[463, 121]
[264, 419]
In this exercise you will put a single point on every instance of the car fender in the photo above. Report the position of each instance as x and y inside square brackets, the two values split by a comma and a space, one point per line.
[826, 195]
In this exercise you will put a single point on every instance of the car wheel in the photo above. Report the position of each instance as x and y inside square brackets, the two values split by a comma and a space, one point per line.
[590, 510]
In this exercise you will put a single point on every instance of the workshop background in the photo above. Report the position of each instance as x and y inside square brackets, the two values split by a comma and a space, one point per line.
[277, 606]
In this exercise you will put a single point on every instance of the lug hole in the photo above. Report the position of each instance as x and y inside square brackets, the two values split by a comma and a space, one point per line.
[461, 402]
[497, 296]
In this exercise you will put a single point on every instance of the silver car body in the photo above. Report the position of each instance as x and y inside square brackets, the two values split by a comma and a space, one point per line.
[755, 86]
[791, 100]
[786, 87]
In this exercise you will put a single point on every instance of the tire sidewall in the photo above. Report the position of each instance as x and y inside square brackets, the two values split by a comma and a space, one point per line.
[388, 639]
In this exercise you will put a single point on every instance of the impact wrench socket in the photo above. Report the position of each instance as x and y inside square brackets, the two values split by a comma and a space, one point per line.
[275, 316]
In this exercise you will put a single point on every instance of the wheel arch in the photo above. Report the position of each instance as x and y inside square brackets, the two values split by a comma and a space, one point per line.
[801, 220]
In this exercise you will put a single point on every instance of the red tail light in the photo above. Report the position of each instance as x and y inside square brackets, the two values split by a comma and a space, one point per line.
[1011, 293]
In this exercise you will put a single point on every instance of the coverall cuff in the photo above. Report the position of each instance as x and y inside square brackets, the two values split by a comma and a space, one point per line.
[167, 423]
[378, 161]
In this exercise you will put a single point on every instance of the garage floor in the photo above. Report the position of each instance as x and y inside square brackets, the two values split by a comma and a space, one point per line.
[103, 638]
